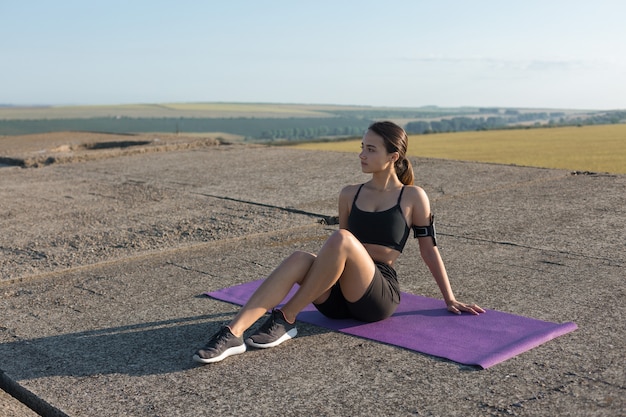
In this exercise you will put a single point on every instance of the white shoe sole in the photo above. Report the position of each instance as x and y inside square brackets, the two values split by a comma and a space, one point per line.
[289, 335]
[235, 350]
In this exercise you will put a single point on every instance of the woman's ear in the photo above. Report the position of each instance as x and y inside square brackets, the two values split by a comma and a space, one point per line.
[395, 156]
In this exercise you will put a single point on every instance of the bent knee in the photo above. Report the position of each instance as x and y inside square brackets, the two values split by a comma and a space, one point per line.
[302, 256]
[341, 238]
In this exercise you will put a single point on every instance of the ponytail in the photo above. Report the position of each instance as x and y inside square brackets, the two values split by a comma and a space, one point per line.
[404, 171]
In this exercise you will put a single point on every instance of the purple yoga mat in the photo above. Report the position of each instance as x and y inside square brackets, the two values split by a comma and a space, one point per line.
[424, 325]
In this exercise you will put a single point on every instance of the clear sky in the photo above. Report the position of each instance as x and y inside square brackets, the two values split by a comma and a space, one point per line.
[405, 53]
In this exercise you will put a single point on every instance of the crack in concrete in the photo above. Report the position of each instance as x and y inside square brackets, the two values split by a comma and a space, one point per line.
[189, 269]
[613, 262]
[323, 219]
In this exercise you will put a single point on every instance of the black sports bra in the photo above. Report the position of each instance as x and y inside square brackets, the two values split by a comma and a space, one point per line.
[386, 228]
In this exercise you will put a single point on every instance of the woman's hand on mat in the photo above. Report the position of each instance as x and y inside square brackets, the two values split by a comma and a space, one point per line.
[458, 308]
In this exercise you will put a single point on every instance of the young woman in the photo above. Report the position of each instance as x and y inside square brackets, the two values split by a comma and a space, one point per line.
[352, 275]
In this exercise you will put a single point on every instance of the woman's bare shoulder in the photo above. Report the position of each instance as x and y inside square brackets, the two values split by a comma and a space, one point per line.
[419, 201]
[415, 192]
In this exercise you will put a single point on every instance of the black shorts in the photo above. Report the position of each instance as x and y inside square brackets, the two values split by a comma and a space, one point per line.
[379, 301]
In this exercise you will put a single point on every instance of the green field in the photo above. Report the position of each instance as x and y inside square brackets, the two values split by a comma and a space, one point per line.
[588, 148]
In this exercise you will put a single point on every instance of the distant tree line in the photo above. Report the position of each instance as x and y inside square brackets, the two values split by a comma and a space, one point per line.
[313, 132]
[461, 124]
[612, 117]
[512, 119]
[392, 113]
[455, 124]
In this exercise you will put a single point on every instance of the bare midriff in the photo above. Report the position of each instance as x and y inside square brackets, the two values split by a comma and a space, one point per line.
[381, 253]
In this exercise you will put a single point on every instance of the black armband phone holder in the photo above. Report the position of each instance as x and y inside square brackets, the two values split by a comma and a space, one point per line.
[425, 231]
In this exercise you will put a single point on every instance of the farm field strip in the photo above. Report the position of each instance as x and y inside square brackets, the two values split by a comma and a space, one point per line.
[588, 148]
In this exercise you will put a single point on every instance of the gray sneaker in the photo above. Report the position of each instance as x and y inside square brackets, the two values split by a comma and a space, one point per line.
[222, 345]
[273, 332]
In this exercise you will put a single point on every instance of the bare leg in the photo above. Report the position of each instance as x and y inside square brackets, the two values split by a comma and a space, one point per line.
[272, 291]
[341, 258]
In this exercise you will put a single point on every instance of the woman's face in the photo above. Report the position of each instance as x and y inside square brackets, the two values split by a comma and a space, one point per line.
[374, 156]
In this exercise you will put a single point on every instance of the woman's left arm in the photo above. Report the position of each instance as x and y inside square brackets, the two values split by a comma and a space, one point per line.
[421, 216]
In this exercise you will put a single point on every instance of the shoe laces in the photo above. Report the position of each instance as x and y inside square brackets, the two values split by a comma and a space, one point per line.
[218, 339]
[272, 324]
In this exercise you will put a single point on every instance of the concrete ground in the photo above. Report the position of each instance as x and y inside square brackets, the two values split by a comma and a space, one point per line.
[11, 407]
[103, 264]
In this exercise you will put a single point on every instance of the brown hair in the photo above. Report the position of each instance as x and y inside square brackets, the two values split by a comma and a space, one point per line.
[396, 140]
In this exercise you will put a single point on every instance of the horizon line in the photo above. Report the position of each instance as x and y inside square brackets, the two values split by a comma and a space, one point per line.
[48, 105]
